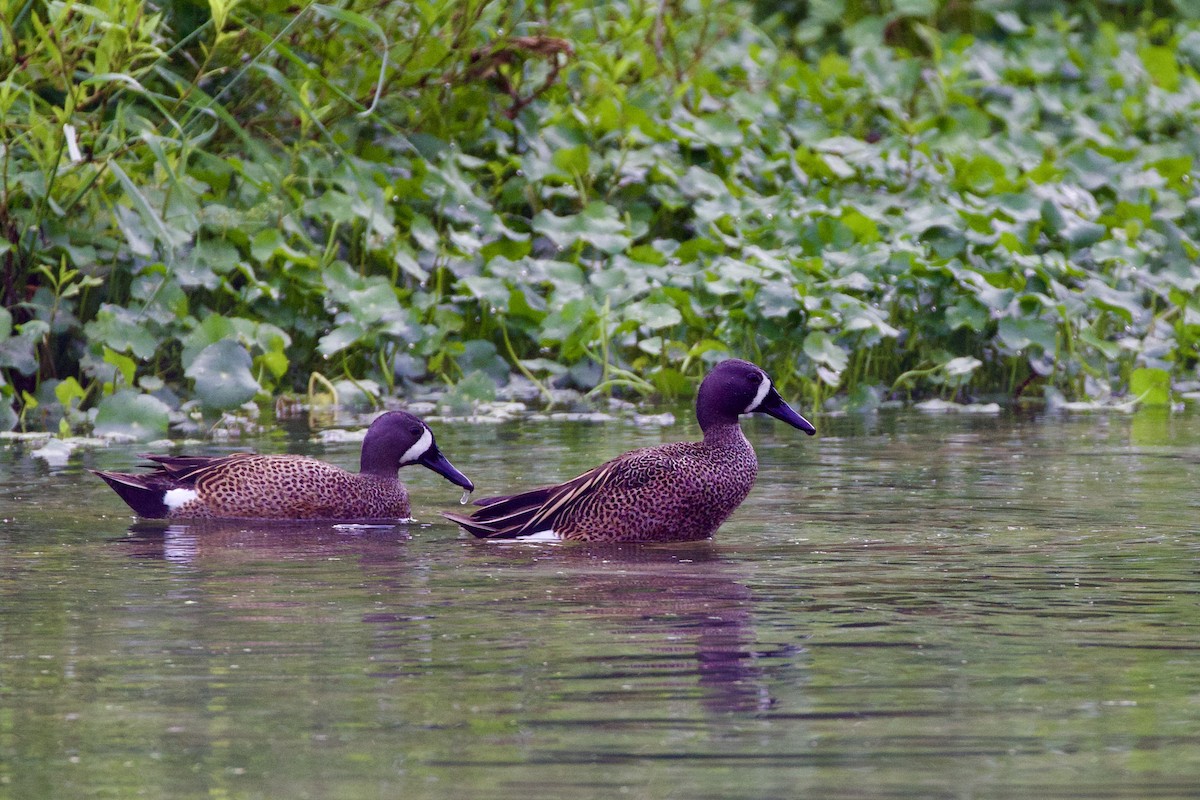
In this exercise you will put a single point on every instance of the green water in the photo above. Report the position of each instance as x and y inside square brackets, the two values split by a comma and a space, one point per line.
[905, 607]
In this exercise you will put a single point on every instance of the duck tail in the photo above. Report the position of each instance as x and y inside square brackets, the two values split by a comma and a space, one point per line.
[477, 529]
[507, 516]
[145, 499]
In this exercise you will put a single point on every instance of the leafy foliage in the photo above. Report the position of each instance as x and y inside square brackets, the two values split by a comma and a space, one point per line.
[216, 203]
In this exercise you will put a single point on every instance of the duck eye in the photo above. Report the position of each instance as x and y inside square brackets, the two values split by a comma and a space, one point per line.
[415, 430]
[753, 377]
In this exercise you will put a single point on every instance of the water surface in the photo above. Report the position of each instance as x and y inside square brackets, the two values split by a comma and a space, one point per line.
[906, 606]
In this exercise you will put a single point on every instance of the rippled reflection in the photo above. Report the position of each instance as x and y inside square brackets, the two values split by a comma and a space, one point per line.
[905, 607]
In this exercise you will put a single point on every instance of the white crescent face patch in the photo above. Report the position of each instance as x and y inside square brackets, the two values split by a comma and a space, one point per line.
[763, 387]
[418, 449]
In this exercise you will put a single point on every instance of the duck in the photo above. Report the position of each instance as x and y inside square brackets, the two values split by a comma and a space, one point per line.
[289, 487]
[681, 491]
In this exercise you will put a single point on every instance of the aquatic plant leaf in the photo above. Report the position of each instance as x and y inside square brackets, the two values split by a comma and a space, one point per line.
[1020, 333]
[131, 414]
[1110, 350]
[967, 315]
[125, 366]
[654, 316]
[1151, 386]
[572, 160]
[340, 338]
[1160, 62]
[68, 390]
[222, 377]
[961, 367]
[122, 329]
[8, 415]
[16, 351]
[598, 225]
[820, 347]
[212, 329]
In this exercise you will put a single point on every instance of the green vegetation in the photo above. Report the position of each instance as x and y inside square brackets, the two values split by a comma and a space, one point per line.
[214, 203]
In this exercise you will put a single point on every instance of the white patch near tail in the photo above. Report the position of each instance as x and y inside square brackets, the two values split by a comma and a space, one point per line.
[175, 498]
[763, 387]
[540, 536]
[417, 450]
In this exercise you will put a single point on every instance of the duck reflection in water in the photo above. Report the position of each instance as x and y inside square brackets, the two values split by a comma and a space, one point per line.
[672, 622]
[680, 607]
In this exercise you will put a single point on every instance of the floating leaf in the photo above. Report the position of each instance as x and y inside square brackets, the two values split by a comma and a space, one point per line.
[222, 376]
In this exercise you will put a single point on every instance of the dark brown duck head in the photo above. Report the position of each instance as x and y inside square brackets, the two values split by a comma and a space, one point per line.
[737, 387]
[397, 439]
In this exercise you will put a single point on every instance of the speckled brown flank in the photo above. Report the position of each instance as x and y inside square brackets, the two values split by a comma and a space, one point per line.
[291, 487]
[677, 492]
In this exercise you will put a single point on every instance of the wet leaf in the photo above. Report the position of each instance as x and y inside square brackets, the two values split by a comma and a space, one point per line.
[1151, 387]
[820, 347]
[221, 375]
[123, 330]
[597, 225]
[1019, 334]
[130, 414]
[654, 316]
[961, 367]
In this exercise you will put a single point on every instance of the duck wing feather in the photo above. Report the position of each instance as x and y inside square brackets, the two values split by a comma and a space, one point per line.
[538, 510]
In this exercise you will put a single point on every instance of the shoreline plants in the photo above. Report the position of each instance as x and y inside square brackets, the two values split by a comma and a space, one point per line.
[213, 203]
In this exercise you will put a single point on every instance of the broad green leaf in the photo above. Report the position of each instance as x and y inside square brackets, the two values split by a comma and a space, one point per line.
[1110, 350]
[214, 328]
[654, 316]
[125, 365]
[275, 361]
[1020, 333]
[670, 382]
[598, 225]
[961, 367]
[1161, 64]
[821, 348]
[967, 314]
[67, 390]
[572, 160]
[8, 415]
[222, 377]
[340, 338]
[17, 352]
[123, 330]
[1151, 387]
[130, 414]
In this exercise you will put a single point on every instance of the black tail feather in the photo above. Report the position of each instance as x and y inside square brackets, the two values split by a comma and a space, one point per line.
[504, 517]
[138, 493]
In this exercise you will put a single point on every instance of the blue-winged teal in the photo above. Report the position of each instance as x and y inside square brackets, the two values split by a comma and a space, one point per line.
[673, 492]
[249, 486]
